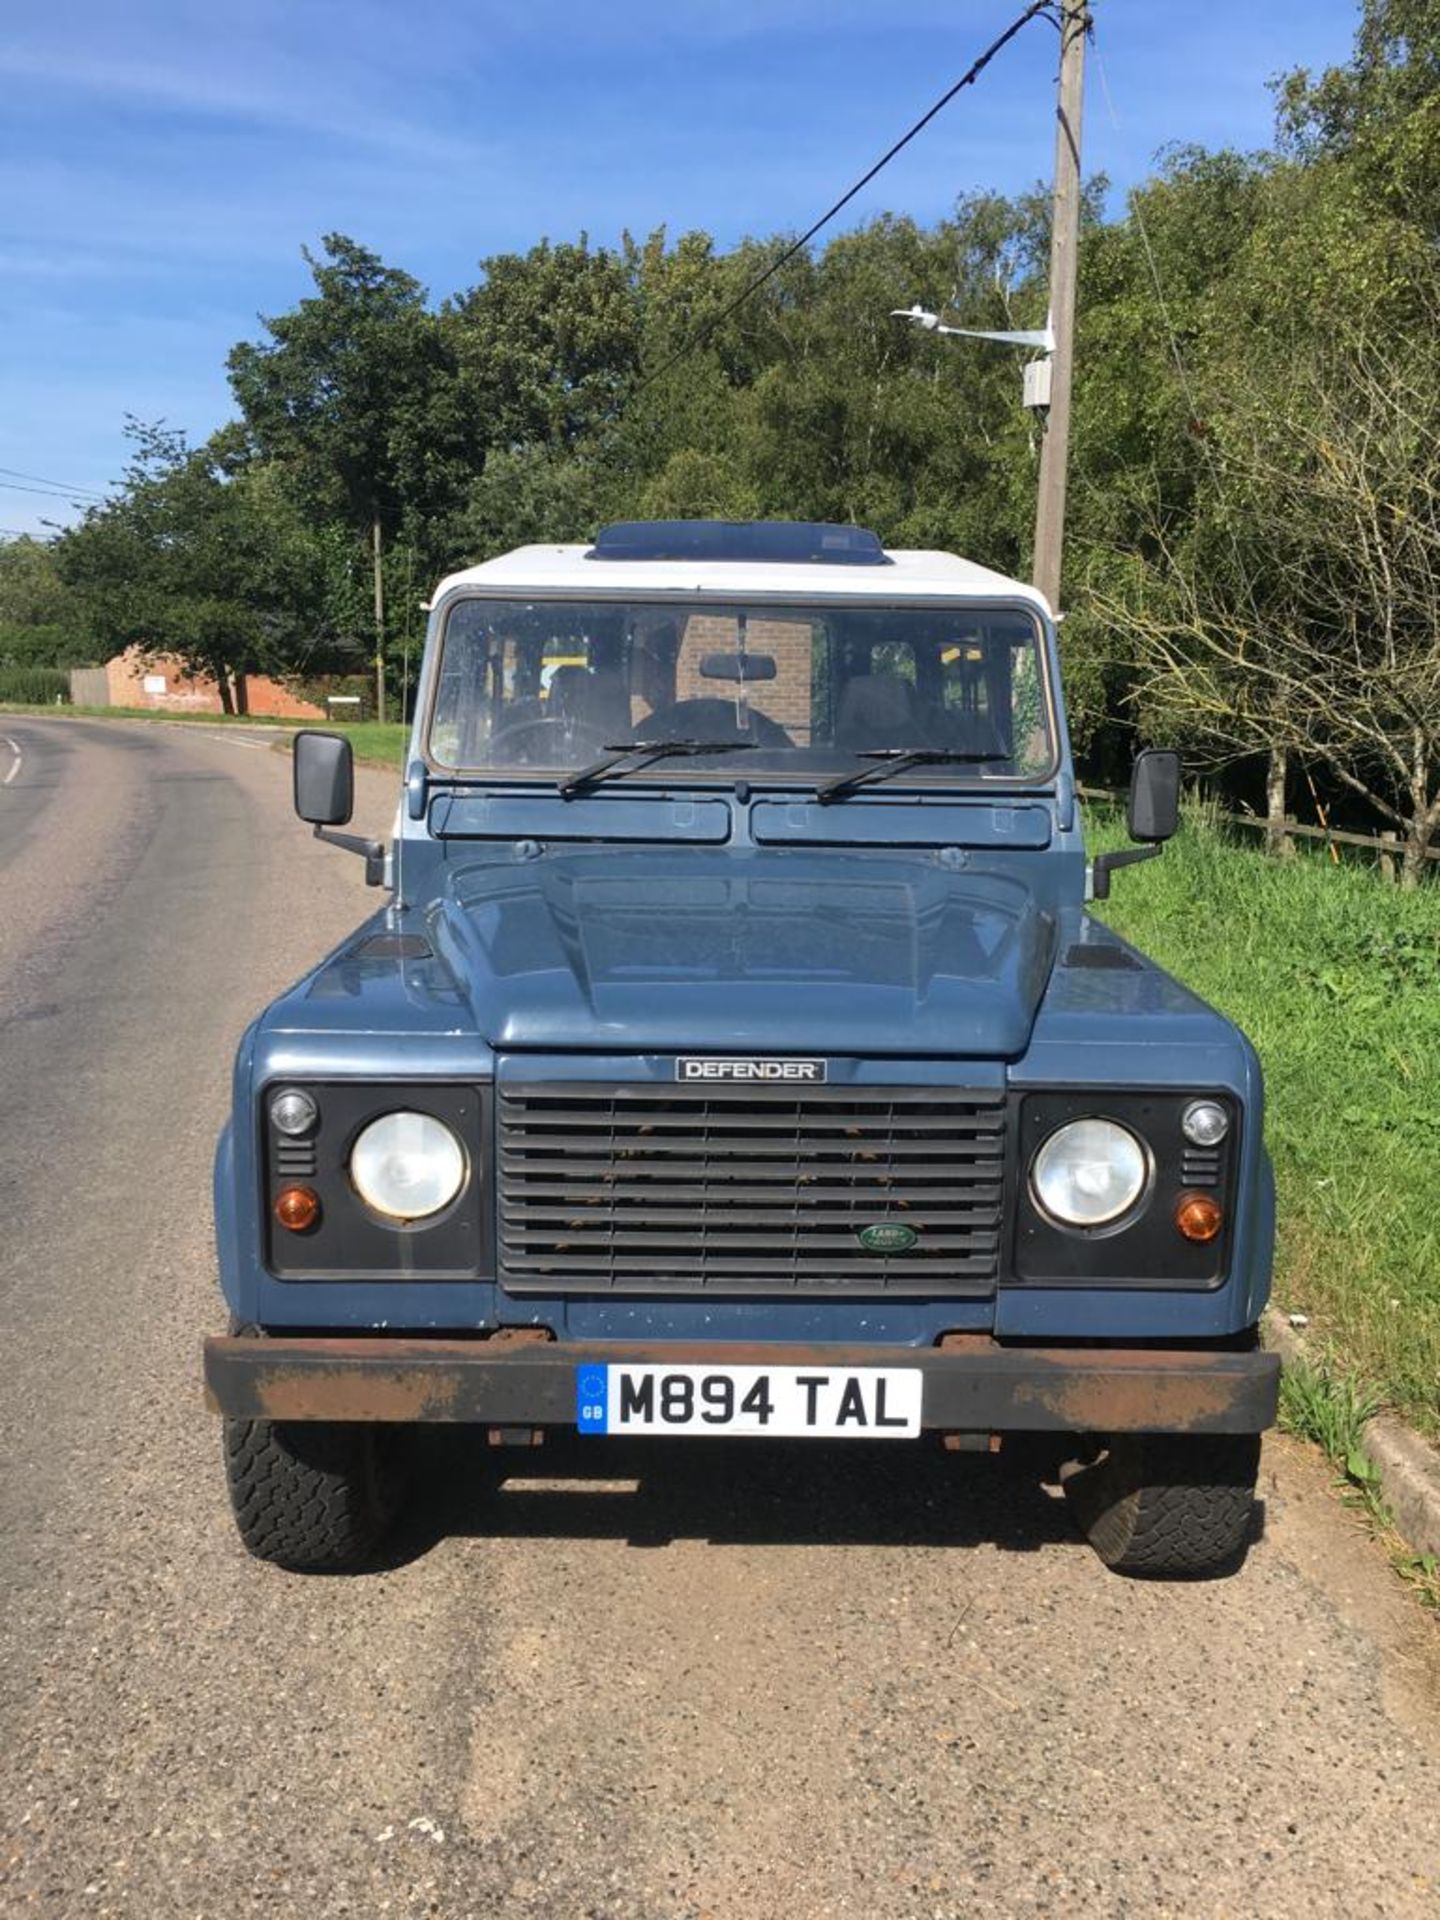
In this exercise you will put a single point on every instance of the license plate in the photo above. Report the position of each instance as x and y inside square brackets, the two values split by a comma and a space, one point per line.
[778, 1403]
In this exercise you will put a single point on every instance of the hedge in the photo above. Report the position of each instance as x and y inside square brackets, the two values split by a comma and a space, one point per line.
[34, 686]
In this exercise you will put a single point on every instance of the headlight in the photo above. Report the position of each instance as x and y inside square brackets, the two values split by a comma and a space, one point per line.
[407, 1165]
[1089, 1173]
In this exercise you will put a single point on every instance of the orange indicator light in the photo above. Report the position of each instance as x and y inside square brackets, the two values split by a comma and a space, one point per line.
[297, 1208]
[1198, 1216]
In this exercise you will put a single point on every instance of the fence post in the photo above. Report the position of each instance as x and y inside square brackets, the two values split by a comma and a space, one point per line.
[1390, 839]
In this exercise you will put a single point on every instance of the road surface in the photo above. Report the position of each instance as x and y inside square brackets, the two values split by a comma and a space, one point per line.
[736, 1683]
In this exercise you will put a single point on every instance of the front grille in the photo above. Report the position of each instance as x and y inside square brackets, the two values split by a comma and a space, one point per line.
[730, 1189]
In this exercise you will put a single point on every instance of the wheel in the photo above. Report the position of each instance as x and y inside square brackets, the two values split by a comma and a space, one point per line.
[1167, 1504]
[314, 1496]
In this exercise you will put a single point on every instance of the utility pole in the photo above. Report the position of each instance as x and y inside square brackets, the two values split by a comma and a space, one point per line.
[379, 621]
[1064, 249]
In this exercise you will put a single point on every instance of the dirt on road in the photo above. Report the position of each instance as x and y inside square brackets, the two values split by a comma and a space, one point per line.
[595, 1682]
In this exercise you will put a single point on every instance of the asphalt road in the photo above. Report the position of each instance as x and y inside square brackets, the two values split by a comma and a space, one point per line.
[736, 1683]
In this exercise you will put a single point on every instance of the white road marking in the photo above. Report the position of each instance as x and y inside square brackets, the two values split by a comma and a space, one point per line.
[16, 763]
[242, 740]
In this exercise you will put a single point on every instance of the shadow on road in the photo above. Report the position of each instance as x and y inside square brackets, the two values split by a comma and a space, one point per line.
[733, 1493]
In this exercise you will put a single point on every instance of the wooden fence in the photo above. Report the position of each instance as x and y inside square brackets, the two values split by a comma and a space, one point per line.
[1385, 847]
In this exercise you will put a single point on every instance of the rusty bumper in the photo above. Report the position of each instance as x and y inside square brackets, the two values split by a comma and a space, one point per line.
[973, 1385]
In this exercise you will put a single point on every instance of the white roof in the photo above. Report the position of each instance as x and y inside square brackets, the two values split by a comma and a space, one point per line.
[914, 575]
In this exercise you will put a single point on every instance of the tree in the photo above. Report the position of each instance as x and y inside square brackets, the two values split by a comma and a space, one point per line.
[1378, 112]
[547, 345]
[1213, 543]
[201, 555]
[1336, 656]
[355, 396]
[38, 626]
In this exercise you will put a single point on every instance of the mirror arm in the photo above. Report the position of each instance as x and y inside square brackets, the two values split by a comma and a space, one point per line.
[1104, 864]
[373, 850]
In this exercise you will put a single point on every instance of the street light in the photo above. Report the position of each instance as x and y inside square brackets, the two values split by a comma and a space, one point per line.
[1048, 379]
[1037, 372]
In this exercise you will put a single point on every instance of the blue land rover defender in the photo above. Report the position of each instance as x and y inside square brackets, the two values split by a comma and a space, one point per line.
[735, 1056]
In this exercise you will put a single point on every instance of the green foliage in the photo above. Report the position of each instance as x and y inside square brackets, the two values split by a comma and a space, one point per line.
[1260, 532]
[355, 394]
[32, 593]
[1331, 1409]
[54, 644]
[203, 556]
[1378, 113]
[548, 344]
[39, 626]
[34, 686]
[1332, 975]
[1246, 313]
[530, 494]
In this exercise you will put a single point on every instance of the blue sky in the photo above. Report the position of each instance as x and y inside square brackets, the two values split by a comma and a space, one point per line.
[162, 162]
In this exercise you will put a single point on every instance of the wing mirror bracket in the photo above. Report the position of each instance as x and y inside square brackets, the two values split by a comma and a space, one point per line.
[324, 789]
[1152, 816]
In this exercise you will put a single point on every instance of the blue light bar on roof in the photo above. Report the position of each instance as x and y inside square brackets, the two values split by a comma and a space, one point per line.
[796, 542]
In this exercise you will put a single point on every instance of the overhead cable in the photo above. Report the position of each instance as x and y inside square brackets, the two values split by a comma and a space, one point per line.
[18, 473]
[703, 333]
[46, 493]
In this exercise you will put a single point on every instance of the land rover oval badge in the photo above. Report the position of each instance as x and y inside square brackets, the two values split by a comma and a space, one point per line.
[887, 1236]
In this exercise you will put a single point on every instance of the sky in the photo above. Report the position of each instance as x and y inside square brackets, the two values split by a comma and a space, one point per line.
[163, 162]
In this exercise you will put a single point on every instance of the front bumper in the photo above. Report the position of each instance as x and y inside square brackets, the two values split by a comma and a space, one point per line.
[972, 1384]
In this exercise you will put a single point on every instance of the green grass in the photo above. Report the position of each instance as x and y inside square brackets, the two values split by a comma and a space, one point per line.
[1335, 976]
[378, 745]
[1330, 1408]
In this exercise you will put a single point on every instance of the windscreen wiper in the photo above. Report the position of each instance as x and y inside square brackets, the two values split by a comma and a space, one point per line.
[892, 760]
[639, 753]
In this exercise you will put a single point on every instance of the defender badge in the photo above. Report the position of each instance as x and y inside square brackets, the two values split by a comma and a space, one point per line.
[807, 1072]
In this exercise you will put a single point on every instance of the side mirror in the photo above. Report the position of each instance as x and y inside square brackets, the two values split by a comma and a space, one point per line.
[325, 796]
[1152, 816]
[1154, 811]
[324, 778]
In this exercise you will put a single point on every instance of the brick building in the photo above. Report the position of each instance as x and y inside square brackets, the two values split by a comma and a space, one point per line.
[137, 679]
[789, 643]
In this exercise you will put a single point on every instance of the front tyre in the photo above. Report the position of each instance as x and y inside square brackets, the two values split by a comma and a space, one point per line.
[313, 1496]
[1168, 1505]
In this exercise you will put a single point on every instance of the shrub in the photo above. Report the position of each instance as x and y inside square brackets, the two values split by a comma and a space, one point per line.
[34, 686]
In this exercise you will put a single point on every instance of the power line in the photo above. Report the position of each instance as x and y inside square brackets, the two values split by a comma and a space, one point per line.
[18, 473]
[46, 493]
[703, 333]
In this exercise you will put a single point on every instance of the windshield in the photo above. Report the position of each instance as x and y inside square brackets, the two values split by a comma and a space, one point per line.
[546, 686]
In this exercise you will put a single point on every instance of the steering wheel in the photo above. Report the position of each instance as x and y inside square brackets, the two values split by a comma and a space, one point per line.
[548, 741]
[711, 719]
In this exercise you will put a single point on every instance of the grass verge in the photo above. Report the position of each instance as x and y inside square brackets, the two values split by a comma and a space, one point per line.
[1335, 976]
[1328, 1406]
[379, 745]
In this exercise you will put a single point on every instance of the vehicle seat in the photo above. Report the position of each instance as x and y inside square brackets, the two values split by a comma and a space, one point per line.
[879, 710]
[592, 699]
